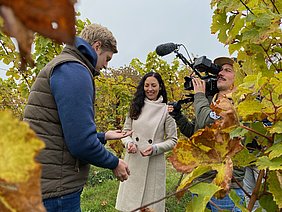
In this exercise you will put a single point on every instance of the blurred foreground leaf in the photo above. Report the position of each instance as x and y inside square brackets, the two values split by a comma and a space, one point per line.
[210, 148]
[19, 173]
[54, 19]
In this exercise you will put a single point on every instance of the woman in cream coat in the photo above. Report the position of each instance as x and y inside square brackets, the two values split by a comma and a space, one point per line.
[154, 132]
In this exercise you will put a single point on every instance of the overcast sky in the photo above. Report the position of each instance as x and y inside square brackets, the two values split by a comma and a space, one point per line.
[141, 25]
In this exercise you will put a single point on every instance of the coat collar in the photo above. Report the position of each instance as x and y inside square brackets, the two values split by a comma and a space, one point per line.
[159, 100]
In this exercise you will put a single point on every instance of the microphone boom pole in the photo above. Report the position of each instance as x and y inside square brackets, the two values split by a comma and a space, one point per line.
[186, 62]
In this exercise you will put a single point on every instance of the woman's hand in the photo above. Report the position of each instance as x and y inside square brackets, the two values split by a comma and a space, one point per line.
[131, 148]
[147, 152]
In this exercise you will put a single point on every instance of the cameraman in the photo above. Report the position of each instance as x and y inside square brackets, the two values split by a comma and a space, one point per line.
[204, 116]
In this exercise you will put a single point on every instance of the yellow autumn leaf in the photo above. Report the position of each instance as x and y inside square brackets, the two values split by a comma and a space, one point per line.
[251, 110]
[223, 177]
[19, 173]
[210, 147]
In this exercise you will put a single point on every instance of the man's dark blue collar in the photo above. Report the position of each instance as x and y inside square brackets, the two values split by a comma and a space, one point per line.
[86, 49]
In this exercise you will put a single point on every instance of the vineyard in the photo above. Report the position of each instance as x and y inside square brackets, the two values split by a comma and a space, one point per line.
[251, 29]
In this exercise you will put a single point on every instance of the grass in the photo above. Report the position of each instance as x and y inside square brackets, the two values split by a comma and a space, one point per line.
[99, 195]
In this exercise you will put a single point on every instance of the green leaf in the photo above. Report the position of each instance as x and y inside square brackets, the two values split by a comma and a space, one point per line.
[204, 192]
[235, 47]
[237, 25]
[236, 199]
[265, 163]
[250, 34]
[194, 174]
[275, 187]
[259, 127]
[250, 109]
[263, 20]
[266, 201]
[238, 132]
[276, 128]
[243, 158]
[275, 151]
[278, 138]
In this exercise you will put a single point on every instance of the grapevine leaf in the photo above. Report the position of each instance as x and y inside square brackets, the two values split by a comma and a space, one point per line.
[265, 163]
[53, 19]
[238, 132]
[236, 199]
[259, 127]
[275, 187]
[210, 147]
[274, 151]
[117, 146]
[267, 202]
[204, 192]
[186, 156]
[223, 177]
[19, 173]
[250, 109]
[190, 177]
[276, 128]
[14, 28]
[219, 24]
[243, 158]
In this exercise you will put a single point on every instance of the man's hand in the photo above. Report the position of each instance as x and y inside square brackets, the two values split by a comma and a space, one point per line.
[174, 109]
[121, 171]
[199, 85]
[170, 108]
[117, 134]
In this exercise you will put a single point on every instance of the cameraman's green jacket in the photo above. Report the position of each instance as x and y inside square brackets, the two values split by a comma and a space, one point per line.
[204, 117]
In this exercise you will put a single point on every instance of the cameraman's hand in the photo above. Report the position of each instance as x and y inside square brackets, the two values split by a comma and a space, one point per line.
[170, 108]
[199, 85]
[174, 109]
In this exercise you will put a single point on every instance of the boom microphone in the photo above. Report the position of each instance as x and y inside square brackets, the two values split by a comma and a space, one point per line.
[166, 48]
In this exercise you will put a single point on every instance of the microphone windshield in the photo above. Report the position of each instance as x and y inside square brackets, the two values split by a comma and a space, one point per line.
[166, 48]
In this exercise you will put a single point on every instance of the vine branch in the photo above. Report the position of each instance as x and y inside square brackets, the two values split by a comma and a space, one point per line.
[255, 193]
[4, 47]
[269, 58]
[262, 135]
[247, 7]
[274, 6]
[170, 195]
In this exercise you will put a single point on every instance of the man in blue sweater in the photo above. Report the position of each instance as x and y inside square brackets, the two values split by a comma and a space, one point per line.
[60, 110]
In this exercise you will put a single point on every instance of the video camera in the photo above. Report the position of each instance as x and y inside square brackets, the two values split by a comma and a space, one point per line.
[203, 64]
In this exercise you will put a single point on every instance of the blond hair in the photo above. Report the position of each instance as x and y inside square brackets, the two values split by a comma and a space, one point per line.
[97, 32]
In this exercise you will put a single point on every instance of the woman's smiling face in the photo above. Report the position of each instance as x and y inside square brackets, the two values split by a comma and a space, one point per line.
[151, 88]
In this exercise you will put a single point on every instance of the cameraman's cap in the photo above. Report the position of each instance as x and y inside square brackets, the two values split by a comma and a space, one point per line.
[224, 60]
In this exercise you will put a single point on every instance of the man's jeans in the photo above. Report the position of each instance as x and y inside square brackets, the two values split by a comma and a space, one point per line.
[226, 203]
[66, 203]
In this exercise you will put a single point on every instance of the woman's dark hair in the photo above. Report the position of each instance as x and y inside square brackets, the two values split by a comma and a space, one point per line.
[139, 96]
